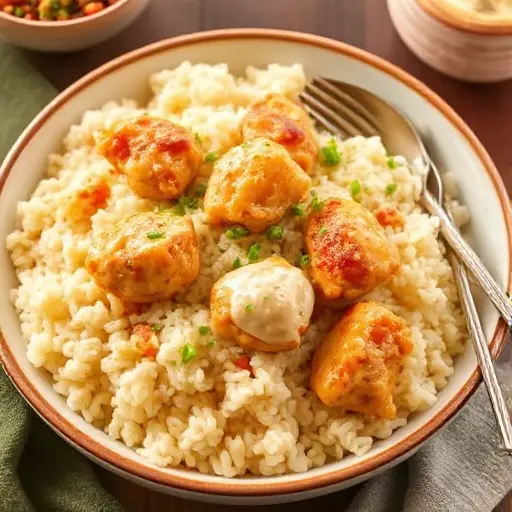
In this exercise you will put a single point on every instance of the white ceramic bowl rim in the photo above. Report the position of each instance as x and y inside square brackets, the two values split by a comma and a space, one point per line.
[64, 23]
[189, 480]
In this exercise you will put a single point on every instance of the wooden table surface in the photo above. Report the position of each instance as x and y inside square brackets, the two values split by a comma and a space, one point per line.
[364, 23]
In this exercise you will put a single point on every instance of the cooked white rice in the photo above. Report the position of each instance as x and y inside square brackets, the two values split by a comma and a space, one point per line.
[208, 414]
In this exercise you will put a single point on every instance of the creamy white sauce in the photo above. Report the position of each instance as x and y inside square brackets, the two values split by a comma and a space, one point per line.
[271, 300]
[485, 7]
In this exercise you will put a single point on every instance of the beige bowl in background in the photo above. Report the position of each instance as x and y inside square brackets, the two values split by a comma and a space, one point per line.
[454, 42]
[70, 35]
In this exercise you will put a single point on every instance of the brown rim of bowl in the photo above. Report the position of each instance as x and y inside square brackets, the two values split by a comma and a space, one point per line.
[459, 19]
[64, 23]
[241, 487]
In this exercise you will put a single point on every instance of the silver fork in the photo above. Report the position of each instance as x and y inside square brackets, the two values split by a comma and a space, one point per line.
[348, 111]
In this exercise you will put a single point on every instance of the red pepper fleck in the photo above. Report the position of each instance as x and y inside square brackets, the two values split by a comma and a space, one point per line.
[173, 146]
[291, 133]
[119, 148]
[336, 250]
[150, 351]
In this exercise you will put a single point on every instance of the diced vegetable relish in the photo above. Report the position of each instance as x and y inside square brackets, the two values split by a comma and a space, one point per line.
[53, 10]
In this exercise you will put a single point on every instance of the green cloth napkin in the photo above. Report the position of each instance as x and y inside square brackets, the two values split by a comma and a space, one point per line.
[39, 472]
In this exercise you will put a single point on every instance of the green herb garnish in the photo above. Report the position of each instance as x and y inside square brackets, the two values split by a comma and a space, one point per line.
[303, 260]
[330, 154]
[237, 263]
[200, 190]
[297, 210]
[323, 230]
[391, 163]
[157, 327]
[391, 188]
[198, 138]
[355, 188]
[249, 308]
[155, 235]
[254, 253]
[236, 233]
[188, 352]
[211, 343]
[184, 202]
[211, 156]
[275, 233]
[204, 330]
[19, 12]
[316, 205]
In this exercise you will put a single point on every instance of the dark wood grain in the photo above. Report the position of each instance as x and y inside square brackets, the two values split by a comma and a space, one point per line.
[364, 23]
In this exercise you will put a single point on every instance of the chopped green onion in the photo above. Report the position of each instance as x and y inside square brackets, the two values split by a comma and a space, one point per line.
[183, 203]
[155, 235]
[330, 154]
[19, 12]
[297, 210]
[245, 145]
[198, 138]
[275, 233]
[391, 188]
[316, 205]
[237, 263]
[211, 343]
[266, 297]
[236, 233]
[157, 327]
[188, 352]
[190, 202]
[355, 188]
[204, 330]
[55, 4]
[254, 253]
[323, 230]
[211, 156]
[391, 163]
[303, 260]
[178, 209]
[249, 308]
[200, 190]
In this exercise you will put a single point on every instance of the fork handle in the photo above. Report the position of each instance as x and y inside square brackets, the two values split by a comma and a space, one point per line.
[466, 254]
[483, 353]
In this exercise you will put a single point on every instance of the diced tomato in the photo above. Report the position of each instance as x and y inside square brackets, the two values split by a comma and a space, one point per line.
[146, 339]
[389, 217]
[244, 363]
[94, 197]
[93, 8]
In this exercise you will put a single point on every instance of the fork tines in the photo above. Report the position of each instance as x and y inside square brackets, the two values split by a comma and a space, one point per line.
[337, 110]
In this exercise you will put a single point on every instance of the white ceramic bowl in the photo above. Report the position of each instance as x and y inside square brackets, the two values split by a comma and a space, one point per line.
[457, 150]
[70, 35]
[454, 42]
